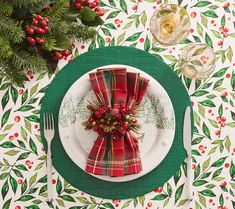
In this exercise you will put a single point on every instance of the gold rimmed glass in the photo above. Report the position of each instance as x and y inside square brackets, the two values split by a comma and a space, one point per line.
[197, 61]
[170, 24]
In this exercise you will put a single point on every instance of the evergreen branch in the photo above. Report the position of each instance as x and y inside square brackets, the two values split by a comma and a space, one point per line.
[5, 49]
[59, 9]
[23, 3]
[26, 61]
[81, 32]
[49, 43]
[5, 8]
[10, 28]
[57, 26]
[12, 73]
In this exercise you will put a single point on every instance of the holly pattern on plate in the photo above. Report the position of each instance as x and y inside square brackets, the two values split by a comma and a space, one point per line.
[23, 159]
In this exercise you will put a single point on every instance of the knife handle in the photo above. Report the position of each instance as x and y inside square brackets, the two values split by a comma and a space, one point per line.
[189, 178]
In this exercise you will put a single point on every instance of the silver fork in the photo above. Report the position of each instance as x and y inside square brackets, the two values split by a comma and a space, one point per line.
[49, 132]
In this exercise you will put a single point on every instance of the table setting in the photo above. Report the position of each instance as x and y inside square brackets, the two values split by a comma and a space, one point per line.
[139, 116]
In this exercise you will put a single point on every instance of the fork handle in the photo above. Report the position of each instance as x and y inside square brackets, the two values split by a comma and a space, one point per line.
[49, 178]
[189, 178]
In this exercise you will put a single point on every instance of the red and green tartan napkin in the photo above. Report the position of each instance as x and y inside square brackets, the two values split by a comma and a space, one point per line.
[116, 156]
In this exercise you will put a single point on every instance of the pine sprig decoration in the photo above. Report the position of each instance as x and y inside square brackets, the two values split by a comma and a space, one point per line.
[25, 60]
[11, 29]
[81, 32]
[59, 9]
[24, 3]
[5, 8]
[35, 34]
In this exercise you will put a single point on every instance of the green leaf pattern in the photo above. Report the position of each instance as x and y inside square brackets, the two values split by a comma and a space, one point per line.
[23, 162]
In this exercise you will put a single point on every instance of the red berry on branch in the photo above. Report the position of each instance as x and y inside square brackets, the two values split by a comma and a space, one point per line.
[29, 31]
[45, 28]
[31, 41]
[39, 30]
[87, 2]
[46, 19]
[134, 120]
[43, 24]
[133, 112]
[118, 116]
[98, 114]
[57, 56]
[66, 53]
[38, 17]
[35, 22]
[91, 120]
[97, 9]
[78, 6]
[100, 12]
[40, 40]
[92, 5]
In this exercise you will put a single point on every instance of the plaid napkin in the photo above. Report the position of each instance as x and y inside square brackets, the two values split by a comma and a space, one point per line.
[116, 156]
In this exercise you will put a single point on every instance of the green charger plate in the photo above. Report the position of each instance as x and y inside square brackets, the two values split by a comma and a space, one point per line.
[156, 68]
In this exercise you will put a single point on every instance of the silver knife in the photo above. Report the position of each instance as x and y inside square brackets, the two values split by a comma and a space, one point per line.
[187, 133]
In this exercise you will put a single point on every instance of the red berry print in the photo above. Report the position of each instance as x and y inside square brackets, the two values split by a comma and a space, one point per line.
[11, 137]
[223, 118]
[107, 39]
[191, 30]
[226, 165]
[17, 207]
[141, 40]
[210, 200]
[29, 167]
[117, 21]
[193, 14]
[53, 181]
[21, 91]
[227, 4]
[16, 134]
[82, 46]
[134, 7]
[223, 184]
[20, 181]
[31, 77]
[228, 75]
[17, 119]
[220, 43]
[27, 162]
[217, 132]
[150, 204]
[201, 147]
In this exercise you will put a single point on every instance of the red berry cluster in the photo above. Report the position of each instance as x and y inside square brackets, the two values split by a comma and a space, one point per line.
[37, 29]
[60, 55]
[103, 121]
[93, 4]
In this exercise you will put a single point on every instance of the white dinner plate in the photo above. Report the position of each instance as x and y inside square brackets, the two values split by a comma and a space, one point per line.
[156, 117]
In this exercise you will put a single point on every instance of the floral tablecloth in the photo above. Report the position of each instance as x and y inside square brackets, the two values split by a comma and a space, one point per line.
[23, 159]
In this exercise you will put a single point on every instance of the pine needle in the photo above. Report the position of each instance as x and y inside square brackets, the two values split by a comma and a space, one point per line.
[10, 28]
[24, 60]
